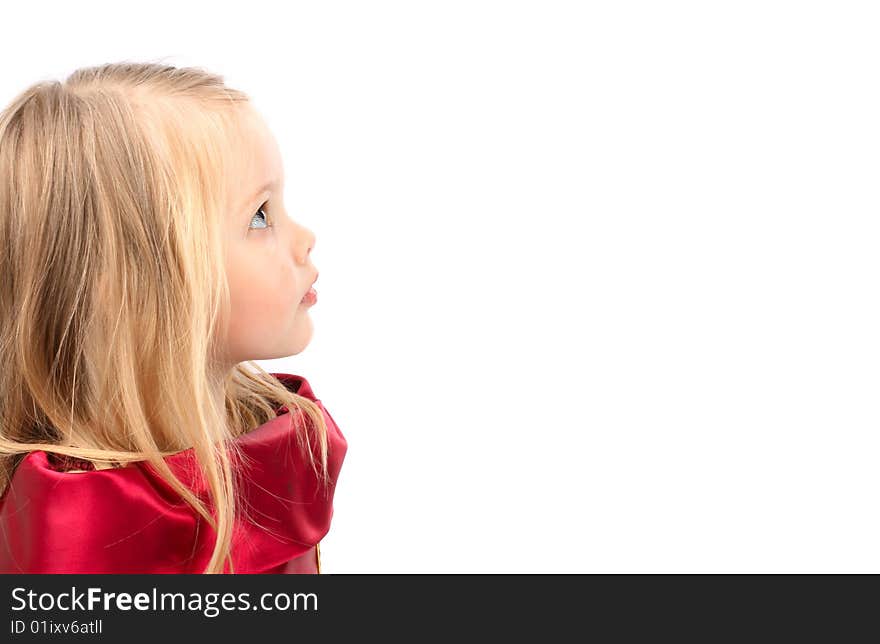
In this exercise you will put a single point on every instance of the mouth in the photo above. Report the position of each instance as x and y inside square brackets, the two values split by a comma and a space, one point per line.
[311, 296]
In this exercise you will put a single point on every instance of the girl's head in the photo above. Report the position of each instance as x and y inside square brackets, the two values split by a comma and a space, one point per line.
[145, 256]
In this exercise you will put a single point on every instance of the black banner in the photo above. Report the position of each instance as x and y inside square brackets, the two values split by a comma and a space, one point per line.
[115, 608]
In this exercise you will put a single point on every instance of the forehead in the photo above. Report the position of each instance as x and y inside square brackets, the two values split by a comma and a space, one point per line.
[258, 158]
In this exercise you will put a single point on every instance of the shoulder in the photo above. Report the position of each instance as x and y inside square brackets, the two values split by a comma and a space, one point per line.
[110, 521]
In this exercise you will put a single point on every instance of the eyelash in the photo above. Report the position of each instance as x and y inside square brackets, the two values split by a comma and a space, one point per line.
[268, 222]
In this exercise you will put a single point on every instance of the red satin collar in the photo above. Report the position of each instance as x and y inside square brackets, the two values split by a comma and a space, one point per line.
[128, 520]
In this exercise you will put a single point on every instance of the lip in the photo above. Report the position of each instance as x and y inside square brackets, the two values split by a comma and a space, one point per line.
[311, 296]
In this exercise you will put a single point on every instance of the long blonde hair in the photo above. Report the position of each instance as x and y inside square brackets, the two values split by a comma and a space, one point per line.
[113, 292]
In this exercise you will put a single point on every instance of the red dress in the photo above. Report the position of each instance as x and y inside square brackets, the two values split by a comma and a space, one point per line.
[128, 520]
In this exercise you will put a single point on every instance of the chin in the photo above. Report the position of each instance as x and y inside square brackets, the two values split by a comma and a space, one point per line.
[301, 342]
[299, 348]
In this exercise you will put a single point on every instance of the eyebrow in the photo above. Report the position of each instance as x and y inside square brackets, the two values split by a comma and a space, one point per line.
[263, 188]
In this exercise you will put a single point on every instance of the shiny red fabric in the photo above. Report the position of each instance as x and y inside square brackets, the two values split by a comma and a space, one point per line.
[128, 520]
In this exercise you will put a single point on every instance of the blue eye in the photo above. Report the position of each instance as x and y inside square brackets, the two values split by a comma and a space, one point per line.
[256, 216]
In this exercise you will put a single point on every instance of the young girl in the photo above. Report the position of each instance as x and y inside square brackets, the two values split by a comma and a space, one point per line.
[146, 259]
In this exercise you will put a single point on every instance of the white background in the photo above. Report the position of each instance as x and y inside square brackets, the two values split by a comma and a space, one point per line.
[598, 281]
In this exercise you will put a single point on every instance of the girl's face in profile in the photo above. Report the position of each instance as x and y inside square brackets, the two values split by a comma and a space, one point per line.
[267, 261]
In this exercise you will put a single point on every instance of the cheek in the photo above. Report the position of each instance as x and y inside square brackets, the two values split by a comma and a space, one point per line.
[259, 296]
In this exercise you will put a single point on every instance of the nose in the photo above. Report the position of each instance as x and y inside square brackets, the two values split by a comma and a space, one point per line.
[304, 242]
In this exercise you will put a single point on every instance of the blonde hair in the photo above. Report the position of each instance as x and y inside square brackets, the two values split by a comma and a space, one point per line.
[113, 292]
